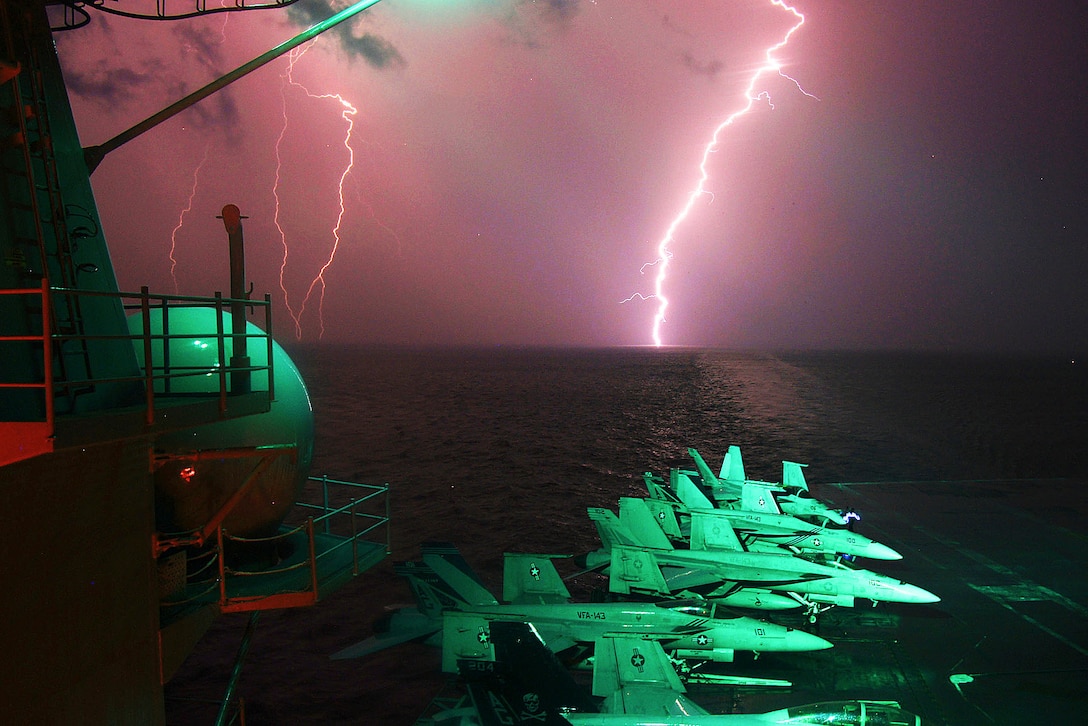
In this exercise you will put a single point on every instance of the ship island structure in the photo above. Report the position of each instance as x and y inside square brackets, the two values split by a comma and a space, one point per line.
[155, 449]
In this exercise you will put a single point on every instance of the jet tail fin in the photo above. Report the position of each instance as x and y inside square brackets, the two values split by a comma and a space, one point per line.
[532, 579]
[526, 684]
[709, 480]
[793, 476]
[627, 661]
[432, 596]
[519, 647]
[690, 494]
[758, 497]
[665, 515]
[733, 466]
[636, 677]
[636, 518]
[502, 701]
[710, 531]
[633, 568]
[609, 528]
[454, 572]
[465, 636]
[656, 491]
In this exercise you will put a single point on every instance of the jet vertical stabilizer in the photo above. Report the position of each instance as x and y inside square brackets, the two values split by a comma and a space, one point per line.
[610, 530]
[519, 647]
[500, 698]
[486, 690]
[793, 476]
[525, 685]
[636, 677]
[665, 516]
[657, 491]
[732, 467]
[465, 635]
[758, 497]
[635, 569]
[635, 517]
[452, 569]
[709, 480]
[432, 596]
[690, 494]
[710, 532]
[631, 662]
[532, 579]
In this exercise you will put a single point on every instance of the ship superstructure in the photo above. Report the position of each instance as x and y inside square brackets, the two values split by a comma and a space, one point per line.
[152, 446]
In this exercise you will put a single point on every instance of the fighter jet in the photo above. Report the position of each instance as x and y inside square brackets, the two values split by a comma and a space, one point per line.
[640, 558]
[527, 685]
[768, 530]
[792, 495]
[456, 611]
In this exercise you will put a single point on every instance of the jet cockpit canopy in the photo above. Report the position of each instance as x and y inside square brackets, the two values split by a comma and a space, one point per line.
[852, 713]
[699, 608]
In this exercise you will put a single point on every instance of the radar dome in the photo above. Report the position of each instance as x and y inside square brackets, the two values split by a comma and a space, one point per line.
[199, 469]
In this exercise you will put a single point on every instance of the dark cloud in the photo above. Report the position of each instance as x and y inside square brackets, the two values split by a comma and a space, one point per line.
[668, 24]
[710, 68]
[378, 52]
[554, 11]
[203, 44]
[219, 111]
[529, 20]
[107, 86]
[202, 48]
[111, 84]
[310, 12]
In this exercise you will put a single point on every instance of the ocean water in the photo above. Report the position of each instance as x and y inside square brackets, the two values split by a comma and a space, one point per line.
[503, 449]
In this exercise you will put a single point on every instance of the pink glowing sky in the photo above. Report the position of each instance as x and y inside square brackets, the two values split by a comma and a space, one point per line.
[517, 162]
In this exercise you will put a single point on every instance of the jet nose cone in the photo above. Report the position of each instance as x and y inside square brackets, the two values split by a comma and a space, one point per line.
[878, 551]
[799, 640]
[915, 594]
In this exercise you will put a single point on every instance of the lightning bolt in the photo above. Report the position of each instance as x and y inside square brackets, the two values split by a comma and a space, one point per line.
[347, 113]
[664, 251]
[181, 217]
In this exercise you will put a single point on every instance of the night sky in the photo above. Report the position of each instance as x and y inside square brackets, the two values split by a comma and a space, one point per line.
[516, 163]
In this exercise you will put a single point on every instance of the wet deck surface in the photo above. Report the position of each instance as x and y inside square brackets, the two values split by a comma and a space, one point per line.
[1008, 643]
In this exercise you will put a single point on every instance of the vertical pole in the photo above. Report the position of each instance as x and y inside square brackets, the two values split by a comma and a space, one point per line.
[47, 353]
[388, 514]
[243, 649]
[240, 379]
[222, 566]
[221, 341]
[149, 371]
[313, 555]
[354, 542]
[164, 341]
[325, 491]
[270, 369]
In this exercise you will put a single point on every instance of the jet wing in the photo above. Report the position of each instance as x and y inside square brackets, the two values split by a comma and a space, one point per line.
[405, 626]
[532, 579]
[680, 572]
[636, 677]
[554, 636]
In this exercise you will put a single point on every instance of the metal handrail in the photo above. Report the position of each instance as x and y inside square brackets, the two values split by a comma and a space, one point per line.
[47, 348]
[162, 375]
[311, 556]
